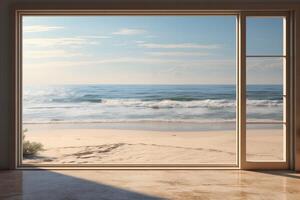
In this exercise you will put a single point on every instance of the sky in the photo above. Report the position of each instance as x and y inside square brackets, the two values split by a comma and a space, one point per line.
[146, 50]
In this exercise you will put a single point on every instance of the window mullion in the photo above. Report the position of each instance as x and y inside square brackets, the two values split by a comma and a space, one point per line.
[242, 90]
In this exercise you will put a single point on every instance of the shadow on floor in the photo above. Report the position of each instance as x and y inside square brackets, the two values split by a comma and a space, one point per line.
[42, 185]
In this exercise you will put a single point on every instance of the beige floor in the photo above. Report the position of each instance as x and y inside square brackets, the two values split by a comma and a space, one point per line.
[135, 184]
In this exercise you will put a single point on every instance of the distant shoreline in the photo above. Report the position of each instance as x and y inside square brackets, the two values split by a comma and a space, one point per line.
[150, 126]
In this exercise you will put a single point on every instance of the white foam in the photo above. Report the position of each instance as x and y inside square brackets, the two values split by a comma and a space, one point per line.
[209, 103]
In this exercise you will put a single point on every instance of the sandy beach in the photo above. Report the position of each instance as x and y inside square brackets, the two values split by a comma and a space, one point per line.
[79, 145]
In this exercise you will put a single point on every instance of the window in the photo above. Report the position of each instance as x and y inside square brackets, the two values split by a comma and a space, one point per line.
[154, 90]
[266, 67]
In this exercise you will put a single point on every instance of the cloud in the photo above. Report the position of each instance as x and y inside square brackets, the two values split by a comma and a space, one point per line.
[140, 42]
[46, 42]
[178, 53]
[127, 31]
[264, 63]
[61, 41]
[96, 36]
[40, 28]
[179, 46]
[49, 54]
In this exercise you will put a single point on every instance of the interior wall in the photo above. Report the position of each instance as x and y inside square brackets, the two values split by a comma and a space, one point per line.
[6, 47]
[297, 91]
[5, 85]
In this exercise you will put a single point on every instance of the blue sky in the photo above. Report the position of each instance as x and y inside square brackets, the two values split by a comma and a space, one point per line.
[145, 50]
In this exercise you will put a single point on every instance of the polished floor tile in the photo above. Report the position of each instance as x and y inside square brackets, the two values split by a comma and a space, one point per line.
[138, 184]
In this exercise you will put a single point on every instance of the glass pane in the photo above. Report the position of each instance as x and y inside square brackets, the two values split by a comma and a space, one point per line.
[130, 89]
[265, 142]
[264, 35]
[264, 89]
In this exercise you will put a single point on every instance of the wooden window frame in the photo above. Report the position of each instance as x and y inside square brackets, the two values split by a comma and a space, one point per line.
[287, 161]
[241, 162]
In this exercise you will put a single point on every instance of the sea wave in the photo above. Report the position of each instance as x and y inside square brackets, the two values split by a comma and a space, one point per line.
[142, 103]
[210, 103]
[163, 104]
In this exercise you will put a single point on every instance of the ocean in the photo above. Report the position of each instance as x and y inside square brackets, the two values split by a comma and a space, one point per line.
[148, 103]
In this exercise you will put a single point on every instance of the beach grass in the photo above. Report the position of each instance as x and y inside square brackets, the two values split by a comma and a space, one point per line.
[30, 148]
